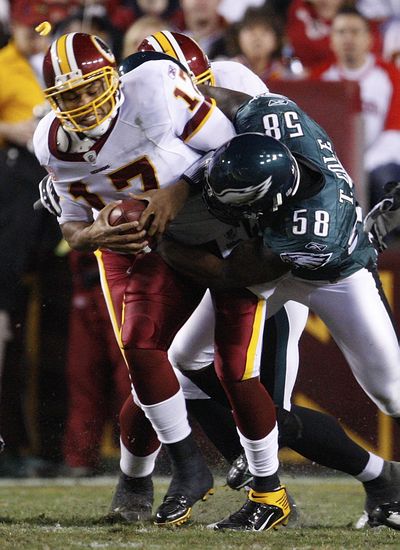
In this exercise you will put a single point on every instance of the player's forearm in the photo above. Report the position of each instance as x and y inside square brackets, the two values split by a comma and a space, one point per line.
[228, 101]
[78, 236]
[248, 264]
[252, 263]
[197, 263]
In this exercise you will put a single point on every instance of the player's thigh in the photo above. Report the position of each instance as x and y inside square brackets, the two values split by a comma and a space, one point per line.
[357, 318]
[239, 329]
[157, 302]
[193, 346]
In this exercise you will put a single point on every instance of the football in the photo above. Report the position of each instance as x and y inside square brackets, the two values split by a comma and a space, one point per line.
[129, 210]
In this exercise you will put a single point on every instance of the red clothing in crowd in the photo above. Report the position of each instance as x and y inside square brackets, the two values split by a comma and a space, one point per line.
[309, 34]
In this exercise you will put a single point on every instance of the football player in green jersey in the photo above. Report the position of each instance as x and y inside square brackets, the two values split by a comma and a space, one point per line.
[309, 223]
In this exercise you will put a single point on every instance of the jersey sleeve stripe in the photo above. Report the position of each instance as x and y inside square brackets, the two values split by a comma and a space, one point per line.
[198, 120]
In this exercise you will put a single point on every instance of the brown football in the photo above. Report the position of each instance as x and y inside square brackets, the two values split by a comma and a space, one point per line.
[129, 210]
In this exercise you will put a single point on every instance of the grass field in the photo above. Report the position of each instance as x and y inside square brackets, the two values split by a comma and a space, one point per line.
[69, 515]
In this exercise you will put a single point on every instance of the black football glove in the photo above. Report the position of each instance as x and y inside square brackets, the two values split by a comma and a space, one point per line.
[48, 197]
[384, 216]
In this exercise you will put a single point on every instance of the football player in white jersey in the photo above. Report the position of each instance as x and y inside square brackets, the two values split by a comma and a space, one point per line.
[104, 140]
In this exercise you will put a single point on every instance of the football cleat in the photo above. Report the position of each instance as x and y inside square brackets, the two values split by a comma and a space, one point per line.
[260, 512]
[382, 493]
[386, 514]
[133, 499]
[182, 494]
[239, 475]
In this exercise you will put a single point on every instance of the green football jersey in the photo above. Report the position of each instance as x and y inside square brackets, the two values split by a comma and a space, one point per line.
[321, 236]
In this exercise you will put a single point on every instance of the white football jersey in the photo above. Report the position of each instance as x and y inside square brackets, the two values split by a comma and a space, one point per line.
[238, 77]
[194, 225]
[162, 127]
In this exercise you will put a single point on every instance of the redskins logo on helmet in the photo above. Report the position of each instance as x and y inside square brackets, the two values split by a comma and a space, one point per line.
[184, 49]
[75, 60]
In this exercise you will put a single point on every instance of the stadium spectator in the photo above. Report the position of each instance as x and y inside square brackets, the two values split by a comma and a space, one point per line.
[144, 26]
[351, 43]
[258, 44]
[308, 30]
[166, 9]
[202, 21]
[233, 11]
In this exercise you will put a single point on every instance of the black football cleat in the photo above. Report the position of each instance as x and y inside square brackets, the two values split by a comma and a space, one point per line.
[133, 499]
[386, 514]
[176, 508]
[382, 499]
[260, 512]
[239, 475]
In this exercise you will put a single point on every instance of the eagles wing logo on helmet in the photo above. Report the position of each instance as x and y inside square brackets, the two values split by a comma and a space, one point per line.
[249, 177]
[246, 195]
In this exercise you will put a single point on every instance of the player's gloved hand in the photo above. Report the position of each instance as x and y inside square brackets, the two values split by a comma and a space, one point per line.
[384, 216]
[48, 196]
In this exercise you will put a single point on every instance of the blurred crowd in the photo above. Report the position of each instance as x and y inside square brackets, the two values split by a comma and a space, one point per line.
[62, 381]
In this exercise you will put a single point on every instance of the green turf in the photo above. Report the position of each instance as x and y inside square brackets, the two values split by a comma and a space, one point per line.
[53, 516]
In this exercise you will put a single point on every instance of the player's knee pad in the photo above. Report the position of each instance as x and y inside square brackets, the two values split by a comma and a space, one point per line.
[233, 374]
[139, 331]
[290, 427]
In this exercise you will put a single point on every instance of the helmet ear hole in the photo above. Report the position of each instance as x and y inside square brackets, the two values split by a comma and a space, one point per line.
[250, 176]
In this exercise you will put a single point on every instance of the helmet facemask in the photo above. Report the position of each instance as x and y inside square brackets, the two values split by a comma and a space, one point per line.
[228, 213]
[82, 83]
[107, 92]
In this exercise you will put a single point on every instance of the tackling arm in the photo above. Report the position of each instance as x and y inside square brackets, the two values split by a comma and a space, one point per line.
[250, 263]
[228, 101]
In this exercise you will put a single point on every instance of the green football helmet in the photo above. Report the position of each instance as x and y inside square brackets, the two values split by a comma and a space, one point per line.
[250, 176]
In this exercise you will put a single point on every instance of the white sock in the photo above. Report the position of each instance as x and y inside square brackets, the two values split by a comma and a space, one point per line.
[262, 454]
[169, 418]
[137, 466]
[372, 470]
